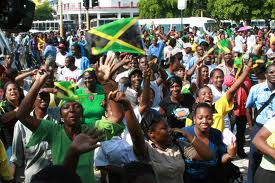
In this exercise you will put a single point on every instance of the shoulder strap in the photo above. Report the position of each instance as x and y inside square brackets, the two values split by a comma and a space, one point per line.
[265, 104]
[245, 89]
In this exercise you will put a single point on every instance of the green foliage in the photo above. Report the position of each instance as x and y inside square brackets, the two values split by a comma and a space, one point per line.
[43, 11]
[219, 9]
[241, 9]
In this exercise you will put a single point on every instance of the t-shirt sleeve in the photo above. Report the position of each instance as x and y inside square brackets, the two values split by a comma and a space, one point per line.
[44, 132]
[222, 106]
[270, 125]
[250, 101]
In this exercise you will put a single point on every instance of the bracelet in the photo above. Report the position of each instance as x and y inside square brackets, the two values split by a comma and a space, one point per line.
[193, 140]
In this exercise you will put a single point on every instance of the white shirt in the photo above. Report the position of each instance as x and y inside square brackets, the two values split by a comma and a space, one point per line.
[78, 63]
[73, 76]
[60, 59]
[239, 40]
[251, 41]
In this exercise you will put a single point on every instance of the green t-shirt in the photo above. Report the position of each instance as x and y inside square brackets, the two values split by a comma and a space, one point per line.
[93, 110]
[59, 142]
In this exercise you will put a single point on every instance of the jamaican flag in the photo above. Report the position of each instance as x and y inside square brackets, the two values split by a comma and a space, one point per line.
[223, 46]
[66, 92]
[123, 35]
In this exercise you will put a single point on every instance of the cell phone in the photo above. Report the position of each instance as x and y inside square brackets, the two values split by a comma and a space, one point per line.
[121, 87]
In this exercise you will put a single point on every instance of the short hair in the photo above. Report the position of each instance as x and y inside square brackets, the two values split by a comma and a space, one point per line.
[180, 67]
[198, 90]
[215, 70]
[150, 120]
[71, 58]
[55, 174]
[174, 79]
[202, 105]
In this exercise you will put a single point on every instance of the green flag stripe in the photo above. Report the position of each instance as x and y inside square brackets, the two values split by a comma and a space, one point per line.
[113, 27]
[120, 32]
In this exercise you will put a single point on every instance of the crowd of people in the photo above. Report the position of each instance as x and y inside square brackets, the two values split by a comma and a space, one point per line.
[177, 114]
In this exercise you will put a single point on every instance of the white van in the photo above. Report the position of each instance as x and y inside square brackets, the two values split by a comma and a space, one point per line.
[260, 23]
[204, 24]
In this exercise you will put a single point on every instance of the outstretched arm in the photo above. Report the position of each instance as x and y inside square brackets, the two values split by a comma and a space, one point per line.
[260, 142]
[232, 90]
[145, 99]
[133, 126]
[26, 105]
[19, 79]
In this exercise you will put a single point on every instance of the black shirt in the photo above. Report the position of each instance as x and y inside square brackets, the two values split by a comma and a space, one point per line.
[6, 129]
[169, 107]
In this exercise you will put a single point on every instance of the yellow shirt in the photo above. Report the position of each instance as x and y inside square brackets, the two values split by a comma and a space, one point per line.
[222, 107]
[4, 167]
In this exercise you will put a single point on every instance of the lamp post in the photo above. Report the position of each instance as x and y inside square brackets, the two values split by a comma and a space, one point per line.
[182, 4]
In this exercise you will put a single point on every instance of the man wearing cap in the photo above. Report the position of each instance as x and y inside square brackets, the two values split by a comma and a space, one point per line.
[60, 57]
[135, 77]
[186, 54]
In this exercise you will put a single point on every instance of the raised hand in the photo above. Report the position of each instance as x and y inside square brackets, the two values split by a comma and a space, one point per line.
[117, 96]
[104, 69]
[85, 142]
[232, 149]
[41, 76]
[127, 59]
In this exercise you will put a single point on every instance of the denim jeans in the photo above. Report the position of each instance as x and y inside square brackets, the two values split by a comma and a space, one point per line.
[255, 156]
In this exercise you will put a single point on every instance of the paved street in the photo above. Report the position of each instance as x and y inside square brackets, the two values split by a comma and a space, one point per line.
[243, 163]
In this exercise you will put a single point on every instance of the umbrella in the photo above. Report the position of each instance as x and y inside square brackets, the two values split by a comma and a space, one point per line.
[244, 28]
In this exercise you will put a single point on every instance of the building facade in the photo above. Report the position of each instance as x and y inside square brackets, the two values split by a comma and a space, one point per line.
[74, 10]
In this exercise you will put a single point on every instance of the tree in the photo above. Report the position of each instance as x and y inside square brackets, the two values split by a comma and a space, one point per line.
[241, 9]
[169, 8]
[43, 11]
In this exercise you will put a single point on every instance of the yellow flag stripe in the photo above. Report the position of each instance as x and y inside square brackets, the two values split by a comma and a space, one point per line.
[113, 39]
[225, 49]
[68, 91]
[106, 36]
[119, 33]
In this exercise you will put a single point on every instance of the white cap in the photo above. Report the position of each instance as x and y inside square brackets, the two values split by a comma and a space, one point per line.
[187, 45]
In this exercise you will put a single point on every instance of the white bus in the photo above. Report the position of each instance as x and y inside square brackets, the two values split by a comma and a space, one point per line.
[101, 21]
[204, 24]
[52, 25]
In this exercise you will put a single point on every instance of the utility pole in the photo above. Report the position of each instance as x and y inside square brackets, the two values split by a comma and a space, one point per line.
[61, 18]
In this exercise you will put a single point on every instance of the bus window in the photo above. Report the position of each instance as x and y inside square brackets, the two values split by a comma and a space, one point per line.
[210, 26]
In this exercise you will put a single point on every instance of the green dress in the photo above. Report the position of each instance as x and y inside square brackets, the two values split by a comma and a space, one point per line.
[59, 142]
[93, 110]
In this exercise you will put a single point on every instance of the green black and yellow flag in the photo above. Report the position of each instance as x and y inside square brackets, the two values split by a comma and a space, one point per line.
[123, 35]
